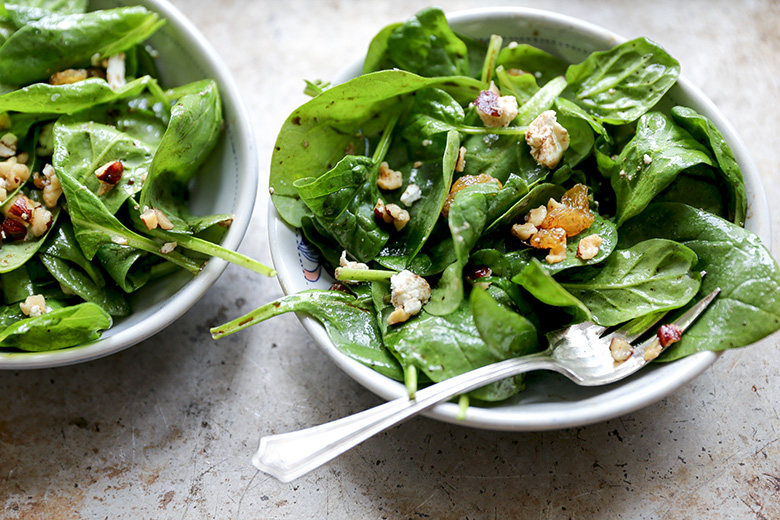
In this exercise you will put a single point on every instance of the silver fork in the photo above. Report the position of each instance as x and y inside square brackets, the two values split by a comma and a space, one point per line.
[580, 352]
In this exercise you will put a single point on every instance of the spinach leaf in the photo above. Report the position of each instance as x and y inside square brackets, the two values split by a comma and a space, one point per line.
[539, 282]
[376, 56]
[651, 161]
[705, 132]
[315, 136]
[80, 148]
[349, 321]
[14, 254]
[426, 45]
[58, 42]
[541, 101]
[58, 328]
[343, 201]
[532, 62]
[434, 180]
[42, 98]
[129, 267]
[94, 225]
[538, 196]
[602, 227]
[523, 87]
[444, 346]
[734, 259]
[620, 84]
[77, 281]
[653, 275]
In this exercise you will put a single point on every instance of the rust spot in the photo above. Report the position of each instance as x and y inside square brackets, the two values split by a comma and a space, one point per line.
[296, 120]
[166, 499]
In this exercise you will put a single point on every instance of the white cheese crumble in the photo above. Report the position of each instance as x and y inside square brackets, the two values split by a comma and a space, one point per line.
[547, 139]
[409, 292]
[411, 194]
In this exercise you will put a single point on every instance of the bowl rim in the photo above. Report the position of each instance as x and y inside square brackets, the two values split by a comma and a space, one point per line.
[642, 389]
[171, 309]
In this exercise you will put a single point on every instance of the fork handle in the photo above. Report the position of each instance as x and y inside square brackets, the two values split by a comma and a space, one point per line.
[288, 456]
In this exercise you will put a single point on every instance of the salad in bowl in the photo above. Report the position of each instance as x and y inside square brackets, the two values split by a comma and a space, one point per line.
[491, 177]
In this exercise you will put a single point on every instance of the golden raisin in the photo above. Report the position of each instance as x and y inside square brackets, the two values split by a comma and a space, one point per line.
[573, 214]
[463, 182]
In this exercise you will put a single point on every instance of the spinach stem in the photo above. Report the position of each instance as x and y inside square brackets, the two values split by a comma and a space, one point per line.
[212, 249]
[410, 380]
[463, 404]
[384, 143]
[480, 130]
[490, 59]
[363, 275]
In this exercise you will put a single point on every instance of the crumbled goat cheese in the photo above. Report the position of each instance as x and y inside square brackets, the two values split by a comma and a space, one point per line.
[409, 292]
[343, 262]
[411, 194]
[647, 159]
[547, 139]
[115, 71]
[494, 110]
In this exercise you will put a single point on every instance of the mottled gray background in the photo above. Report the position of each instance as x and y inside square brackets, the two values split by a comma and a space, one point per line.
[166, 429]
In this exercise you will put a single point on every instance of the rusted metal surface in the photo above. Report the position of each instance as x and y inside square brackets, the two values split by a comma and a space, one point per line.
[166, 429]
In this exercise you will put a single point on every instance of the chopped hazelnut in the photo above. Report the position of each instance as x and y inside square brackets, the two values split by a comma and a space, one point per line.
[536, 216]
[400, 216]
[653, 350]
[52, 189]
[668, 334]
[109, 175]
[460, 164]
[557, 254]
[620, 349]
[8, 144]
[40, 221]
[68, 76]
[589, 247]
[34, 305]
[524, 231]
[380, 212]
[389, 179]
[115, 71]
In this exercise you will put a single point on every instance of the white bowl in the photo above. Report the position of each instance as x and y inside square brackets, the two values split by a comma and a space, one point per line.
[184, 56]
[550, 401]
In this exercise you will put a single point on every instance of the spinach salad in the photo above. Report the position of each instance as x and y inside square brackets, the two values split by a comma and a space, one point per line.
[473, 196]
[95, 162]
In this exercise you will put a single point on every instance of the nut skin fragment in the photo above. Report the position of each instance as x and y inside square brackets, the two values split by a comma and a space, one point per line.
[620, 349]
[589, 247]
[668, 334]
[547, 139]
[109, 175]
[389, 179]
